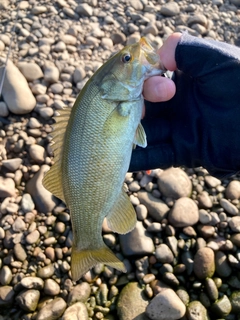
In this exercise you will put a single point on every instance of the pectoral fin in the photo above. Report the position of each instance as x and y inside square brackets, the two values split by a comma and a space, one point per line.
[122, 218]
[140, 138]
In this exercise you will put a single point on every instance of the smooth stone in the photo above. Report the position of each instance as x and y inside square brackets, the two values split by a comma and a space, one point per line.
[37, 153]
[28, 300]
[69, 39]
[39, 88]
[80, 293]
[196, 311]
[84, 9]
[51, 287]
[43, 199]
[51, 74]
[233, 190]
[132, 302]
[27, 203]
[46, 272]
[19, 252]
[5, 275]
[204, 201]
[174, 183]
[164, 254]
[222, 307]
[77, 311]
[235, 238]
[157, 209]
[52, 310]
[136, 242]
[12, 164]
[141, 211]
[235, 302]
[32, 283]
[234, 224]
[19, 225]
[211, 181]
[204, 263]
[118, 37]
[4, 112]
[7, 187]
[166, 305]
[223, 268]
[30, 70]
[211, 289]
[170, 9]
[229, 207]
[39, 10]
[16, 92]
[204, 216]
[184, 213]
[32, 237]
[6, 295]
[198, 19]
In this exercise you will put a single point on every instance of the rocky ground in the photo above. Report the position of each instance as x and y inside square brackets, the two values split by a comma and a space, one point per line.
[183, 257]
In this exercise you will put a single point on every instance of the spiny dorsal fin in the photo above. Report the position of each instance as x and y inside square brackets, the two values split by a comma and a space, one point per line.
[52, 180]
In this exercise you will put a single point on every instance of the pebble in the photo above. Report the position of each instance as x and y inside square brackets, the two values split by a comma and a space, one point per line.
[234, 224]
[157, 208]
[166, 305]
[79, 293]
[20, 252]
[212, 289]
[84, 9]
[12, 164]
[164, 254]
[132, 302]
[229, 207]
[46, 272]
[16, 92]
[184, 213]
[27, 203]
[30, 70]
[235, 302]
[52, 310]
[5, 275]
[222, 307]
[28, 300]
[136, 242]
[18, 225]
[204, 263]
[32, 237]
[4, 112]
[51, 74]
[76, 312]
[196, 311]
[204, 201]
[174, 182]
[7, 187]
[6, 295]
[233, 190]
[222, 266]
[51, 287]
[32, 283]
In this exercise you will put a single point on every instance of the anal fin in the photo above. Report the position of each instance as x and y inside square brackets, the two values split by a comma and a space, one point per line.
[122, 218]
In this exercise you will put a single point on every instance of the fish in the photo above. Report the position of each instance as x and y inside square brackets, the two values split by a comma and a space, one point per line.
[92, 146]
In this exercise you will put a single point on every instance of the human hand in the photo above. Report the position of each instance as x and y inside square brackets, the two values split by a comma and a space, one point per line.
[199, 125]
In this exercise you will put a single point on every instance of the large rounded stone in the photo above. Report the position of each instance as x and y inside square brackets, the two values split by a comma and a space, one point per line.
[196, 311]
[174, 183]
[204, 264]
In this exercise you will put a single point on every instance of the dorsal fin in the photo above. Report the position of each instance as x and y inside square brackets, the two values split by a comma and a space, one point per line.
[52, 180]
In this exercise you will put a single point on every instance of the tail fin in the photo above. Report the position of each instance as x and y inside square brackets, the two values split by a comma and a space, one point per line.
[84, 260]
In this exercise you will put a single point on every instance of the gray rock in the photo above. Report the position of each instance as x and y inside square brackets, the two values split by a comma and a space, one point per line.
[233, 190]
[37, 153]
[20, 252]
[184, 213]
[4, 112]
[76, 312]
[5, 275]
[32, 283]
[28, 300]
[118, 37]
[12, 164]
[222, 307]
[51, 74]
[52, 310]
[132, 303]
[36, 10]
[51, 287]
[170, 9]
[27, 203]
[174, 182]
[211, 181]
[80, 293]
[6, 295]
[43, 199]
[19, 225]
[32, 237]
[136, 242]
[7, 187]
[39, 88]
[16, 92]
[196, 311]
[157, 208]
[229, 207]
[211, 289]
[204, 264]
[84, 9]
[166, 305]
[234, 224]
[30, 70]
[136, 4]
[164, 254]
[222, 266]
[46, 272]
[141, 211]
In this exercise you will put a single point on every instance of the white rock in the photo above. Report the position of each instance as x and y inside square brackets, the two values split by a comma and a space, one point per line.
[31, 71]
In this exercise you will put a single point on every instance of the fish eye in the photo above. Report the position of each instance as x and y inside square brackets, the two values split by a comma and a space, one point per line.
[126, 58]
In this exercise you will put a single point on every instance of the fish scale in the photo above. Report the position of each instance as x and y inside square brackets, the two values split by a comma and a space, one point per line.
[92, 152]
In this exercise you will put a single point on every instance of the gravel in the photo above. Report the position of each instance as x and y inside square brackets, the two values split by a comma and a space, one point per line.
[183, 257]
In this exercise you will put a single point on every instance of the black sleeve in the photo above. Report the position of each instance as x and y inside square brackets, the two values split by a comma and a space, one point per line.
[200, 125]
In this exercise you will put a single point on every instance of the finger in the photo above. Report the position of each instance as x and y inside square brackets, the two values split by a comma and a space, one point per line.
[167, 51]
[157, 89]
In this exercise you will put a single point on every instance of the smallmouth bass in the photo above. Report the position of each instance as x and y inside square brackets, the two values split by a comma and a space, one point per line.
[92, 148]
